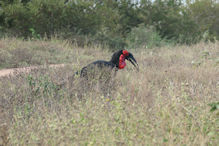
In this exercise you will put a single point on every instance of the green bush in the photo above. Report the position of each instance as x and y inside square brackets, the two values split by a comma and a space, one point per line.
[43, 16]
[206, 13]
[110, 22]
[110, 40]
[50, 16]
[144, 37]
[173, 21]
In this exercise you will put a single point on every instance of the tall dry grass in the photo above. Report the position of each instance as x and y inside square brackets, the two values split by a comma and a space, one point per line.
[19, 53]
[165, 103]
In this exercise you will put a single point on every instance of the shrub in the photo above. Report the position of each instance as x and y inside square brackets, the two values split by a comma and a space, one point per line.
[144, 37]
[112, 41]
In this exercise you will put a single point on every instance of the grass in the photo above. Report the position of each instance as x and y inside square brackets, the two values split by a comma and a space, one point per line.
[166, 103]
[18, 53]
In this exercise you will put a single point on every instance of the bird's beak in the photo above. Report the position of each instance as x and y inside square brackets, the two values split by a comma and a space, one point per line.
[131, 58]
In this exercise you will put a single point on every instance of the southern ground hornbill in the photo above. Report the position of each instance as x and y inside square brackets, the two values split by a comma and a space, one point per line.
[99, 74]
[101, 69]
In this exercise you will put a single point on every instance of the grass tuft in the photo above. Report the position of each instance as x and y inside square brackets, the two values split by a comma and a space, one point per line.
[165, 103]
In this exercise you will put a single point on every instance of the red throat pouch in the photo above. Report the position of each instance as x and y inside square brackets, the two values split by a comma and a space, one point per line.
[122, 63]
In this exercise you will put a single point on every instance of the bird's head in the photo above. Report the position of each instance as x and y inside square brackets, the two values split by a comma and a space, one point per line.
[120, 56]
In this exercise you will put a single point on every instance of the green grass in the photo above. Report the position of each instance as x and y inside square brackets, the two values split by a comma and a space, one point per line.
[166, 103]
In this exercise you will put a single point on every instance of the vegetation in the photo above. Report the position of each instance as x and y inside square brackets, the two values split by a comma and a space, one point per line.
[172, 100]
[111, 22]
[15, 53]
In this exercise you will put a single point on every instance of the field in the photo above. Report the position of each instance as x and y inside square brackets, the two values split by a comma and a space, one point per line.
[172, 100]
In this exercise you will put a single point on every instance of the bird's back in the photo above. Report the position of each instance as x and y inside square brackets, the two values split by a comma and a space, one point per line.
[99, 67]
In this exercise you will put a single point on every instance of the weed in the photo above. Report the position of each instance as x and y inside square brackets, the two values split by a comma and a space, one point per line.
[165, 103]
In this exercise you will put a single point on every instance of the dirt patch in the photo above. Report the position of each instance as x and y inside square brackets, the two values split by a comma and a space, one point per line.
[7, 72]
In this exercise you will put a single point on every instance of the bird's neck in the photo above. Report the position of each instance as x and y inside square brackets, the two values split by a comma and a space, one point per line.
[122, 63]
[118, 59]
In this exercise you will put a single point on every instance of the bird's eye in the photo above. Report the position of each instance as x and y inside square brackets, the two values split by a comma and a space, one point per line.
[125, 52]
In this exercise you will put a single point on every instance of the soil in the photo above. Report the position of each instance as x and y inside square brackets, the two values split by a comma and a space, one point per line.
[11, 71]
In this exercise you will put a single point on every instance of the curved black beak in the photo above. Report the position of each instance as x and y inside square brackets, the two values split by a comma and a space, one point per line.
[131, 58]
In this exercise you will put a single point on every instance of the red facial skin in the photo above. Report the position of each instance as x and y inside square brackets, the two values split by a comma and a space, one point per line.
[122, 63]
[125, 52]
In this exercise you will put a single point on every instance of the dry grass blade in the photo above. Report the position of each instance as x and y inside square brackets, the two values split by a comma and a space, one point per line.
[165, 103]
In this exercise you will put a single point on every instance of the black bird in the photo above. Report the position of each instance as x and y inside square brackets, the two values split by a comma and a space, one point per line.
[98, 74]
[101, 69]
